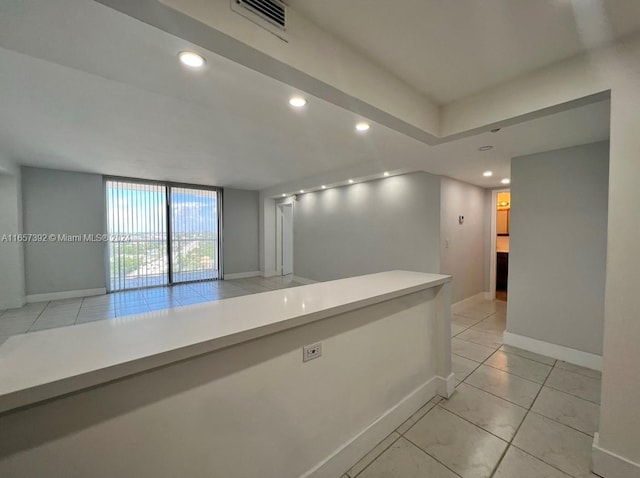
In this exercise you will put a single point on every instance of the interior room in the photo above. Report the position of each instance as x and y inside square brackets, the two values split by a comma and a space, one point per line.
[503, 208]
[265, 238]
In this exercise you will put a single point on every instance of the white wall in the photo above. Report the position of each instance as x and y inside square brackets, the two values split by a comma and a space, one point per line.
[12, 289]
[250, 410]
[558, 241]
[267, 236]
[312, 60]
[59, 202]
[614, 68]
[392, 223]
[462, 246]
[488, 239]
[619, 434]
[240, 231]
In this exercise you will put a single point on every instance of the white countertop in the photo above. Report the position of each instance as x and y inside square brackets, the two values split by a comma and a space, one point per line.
[42, 365]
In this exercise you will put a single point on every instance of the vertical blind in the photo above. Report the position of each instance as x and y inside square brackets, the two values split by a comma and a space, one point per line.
[151, 244]
[194, 234]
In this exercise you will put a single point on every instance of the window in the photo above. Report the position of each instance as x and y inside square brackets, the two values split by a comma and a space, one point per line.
[161, 233]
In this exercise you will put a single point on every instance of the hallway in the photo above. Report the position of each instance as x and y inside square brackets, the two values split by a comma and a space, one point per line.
[514, 414]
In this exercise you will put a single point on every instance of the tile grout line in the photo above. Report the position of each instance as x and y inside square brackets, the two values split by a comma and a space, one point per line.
[376, 457]
[495, 469]
[563, 424]
[75, 322]
[494, 395]
[542, 461]
[526, 358]
[528, 410]
[402, 435]
[472, 325]
[580, 373]
[476, 425]
[571, 394]
[33, 323]
[515, 374]
[471, 341]
[429, 454]
[476, 368]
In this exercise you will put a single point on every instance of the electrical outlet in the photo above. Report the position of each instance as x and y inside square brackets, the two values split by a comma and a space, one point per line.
[310, 352]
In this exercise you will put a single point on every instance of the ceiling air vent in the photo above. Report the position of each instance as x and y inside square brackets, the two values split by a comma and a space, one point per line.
[269, 14]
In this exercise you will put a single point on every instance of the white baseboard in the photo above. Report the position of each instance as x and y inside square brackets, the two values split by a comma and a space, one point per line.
[560, 352]
[461, 304]
[607, 463]
[67, 294]
[348, 454]
[12, 304]
[446, 386]
[242, 275]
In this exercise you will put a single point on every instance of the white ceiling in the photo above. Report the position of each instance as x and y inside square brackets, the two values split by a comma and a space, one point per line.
[85, 88]
[450, 49]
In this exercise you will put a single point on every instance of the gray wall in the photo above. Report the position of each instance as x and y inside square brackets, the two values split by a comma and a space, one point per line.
[11, 253]
[241, 242]
[462, 248]
[392, 223]
[558, 241]
[488, 239]
[59, 202]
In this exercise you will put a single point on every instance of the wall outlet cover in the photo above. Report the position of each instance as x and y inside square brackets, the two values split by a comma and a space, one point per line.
[310, 352]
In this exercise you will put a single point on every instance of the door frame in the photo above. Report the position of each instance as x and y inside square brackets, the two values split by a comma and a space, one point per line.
[168, 185]
[493, 260]
[279, 243]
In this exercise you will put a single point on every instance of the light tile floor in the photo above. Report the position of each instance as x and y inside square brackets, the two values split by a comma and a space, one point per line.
[67, 312]
[515, 414]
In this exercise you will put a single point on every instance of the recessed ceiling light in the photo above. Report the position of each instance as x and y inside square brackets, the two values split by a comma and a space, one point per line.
[362, 126]
[485, 148]
[191, 59]
[487, 174]
[386, 173]
[284, 195]
[495, 130]
[506, 181]
[297, 101]
[323, 187]
[302, 191]
[350, 181]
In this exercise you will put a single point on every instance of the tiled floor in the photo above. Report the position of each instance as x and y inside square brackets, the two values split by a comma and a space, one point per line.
[514, 414]
[60, 313]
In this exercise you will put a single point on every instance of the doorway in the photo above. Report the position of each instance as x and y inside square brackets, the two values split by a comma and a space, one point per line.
[501, 221]
[285, 226]
[161, 233]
